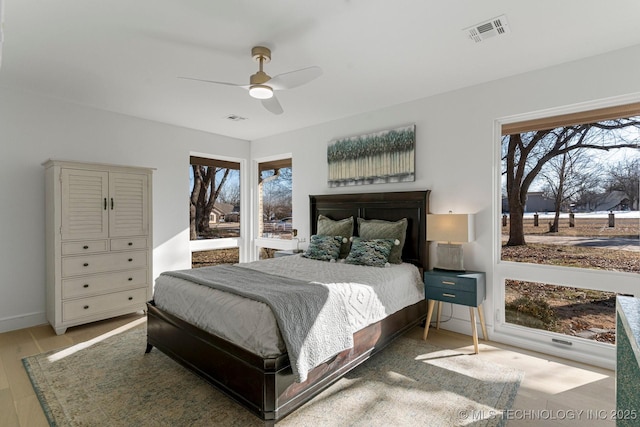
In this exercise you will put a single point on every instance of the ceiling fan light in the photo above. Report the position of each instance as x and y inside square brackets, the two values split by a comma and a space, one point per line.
[261, 91]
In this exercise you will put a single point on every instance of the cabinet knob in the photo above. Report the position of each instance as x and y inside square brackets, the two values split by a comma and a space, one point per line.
[86, 264]
[86, 307]
[130, 279]
[130, 298]
[130, 243]
[85, 285]
[130, 259]
[85, 247]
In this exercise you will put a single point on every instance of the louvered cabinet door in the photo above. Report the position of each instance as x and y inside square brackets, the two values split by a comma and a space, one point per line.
[84, 204]
[128, 204]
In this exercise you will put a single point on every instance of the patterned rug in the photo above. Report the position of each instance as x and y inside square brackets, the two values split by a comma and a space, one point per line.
[111, 381]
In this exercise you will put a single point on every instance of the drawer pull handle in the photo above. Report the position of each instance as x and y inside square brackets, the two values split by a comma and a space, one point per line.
[130, 243]
[446, 282]
[130, 278]
[86, 264]
[85, 247]
[105, 203]
[86, 307]
[112, 203]
[449, 295]
[130, 298]
[85, 285]
[130, 259]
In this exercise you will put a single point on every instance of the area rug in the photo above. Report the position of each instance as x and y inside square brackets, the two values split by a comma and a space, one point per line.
[110, 381]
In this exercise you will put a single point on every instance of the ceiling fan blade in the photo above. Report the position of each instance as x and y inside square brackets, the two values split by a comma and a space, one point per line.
[294, 78]
[215, 82]
[272, 104]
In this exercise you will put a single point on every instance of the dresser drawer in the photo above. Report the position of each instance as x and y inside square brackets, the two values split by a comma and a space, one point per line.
[128, 244]
[451, 282]
[86, 307]
[84, 247]
[79, 265]
[454, 296]
[101, 283]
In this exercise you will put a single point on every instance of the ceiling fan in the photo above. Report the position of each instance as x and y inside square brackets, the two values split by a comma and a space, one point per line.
[262, 86]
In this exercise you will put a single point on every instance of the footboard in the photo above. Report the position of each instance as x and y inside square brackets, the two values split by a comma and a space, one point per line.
[266, 386]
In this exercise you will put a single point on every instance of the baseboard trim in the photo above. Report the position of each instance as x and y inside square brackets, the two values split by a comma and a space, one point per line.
[22, 321]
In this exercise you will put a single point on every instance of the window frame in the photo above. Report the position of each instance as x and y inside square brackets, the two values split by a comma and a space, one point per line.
[266, 242]
[227, 242]
[581, 349]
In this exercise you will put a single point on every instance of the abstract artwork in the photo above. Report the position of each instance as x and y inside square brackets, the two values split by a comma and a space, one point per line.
[375, 158]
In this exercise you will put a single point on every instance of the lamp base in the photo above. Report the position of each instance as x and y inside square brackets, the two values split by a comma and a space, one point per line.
[449, 257]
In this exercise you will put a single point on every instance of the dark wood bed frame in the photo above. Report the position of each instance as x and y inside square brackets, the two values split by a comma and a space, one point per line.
[265, 386]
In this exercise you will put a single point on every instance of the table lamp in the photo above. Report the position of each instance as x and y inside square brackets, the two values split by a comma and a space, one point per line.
[454, 229]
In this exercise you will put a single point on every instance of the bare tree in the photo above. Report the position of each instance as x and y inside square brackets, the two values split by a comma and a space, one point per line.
[525, 154]
[230, 193]
[624, 176]
[565, 178]
[557, 188]
[276, 191]
[207, 184]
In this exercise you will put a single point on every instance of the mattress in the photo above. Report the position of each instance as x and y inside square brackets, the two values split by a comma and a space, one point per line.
[372, 293]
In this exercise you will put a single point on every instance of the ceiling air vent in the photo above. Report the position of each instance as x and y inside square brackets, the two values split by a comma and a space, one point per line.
[494, 27]
[235, 118]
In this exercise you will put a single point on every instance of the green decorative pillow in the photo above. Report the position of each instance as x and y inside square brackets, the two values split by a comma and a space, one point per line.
[324, 248]
[379, 229]
[330, 227]
[374, 252]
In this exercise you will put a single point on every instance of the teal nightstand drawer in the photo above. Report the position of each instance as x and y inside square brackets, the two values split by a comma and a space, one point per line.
[464, 288]
[452, 295]
[451, 282]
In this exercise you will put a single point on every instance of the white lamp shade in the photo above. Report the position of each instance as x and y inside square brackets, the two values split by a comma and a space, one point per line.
[451, 228]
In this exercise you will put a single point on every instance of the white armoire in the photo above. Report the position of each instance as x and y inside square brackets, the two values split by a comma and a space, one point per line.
[98, 241]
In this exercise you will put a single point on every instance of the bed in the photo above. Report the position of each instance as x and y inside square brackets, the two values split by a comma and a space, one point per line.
[266, 384]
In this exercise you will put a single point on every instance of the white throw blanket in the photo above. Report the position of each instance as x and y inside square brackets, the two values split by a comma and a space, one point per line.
[313, 321]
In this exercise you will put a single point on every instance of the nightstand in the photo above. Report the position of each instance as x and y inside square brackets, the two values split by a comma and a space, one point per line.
[463, 288]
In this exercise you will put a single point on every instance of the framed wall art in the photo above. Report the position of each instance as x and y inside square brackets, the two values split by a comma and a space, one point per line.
[375, 158]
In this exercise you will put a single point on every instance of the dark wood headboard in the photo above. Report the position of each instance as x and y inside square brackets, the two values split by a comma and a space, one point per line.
[413, 205]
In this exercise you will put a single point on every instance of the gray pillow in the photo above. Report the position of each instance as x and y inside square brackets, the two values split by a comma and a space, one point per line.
[343, 228]
[380, 229]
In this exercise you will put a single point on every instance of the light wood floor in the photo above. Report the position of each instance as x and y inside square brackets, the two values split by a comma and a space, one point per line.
[553, 391]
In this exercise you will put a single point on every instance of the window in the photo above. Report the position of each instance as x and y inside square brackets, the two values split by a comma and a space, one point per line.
[214, 210]
[569, 213]
[275, 218]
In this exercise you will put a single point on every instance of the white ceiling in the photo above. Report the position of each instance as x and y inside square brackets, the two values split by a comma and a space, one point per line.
[124, 55]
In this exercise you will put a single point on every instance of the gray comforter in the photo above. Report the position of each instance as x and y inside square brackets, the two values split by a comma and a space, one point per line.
[313, 321]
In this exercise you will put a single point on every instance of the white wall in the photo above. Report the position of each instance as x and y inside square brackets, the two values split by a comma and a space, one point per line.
[455, 144]
[34, 129]
[454, 158]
